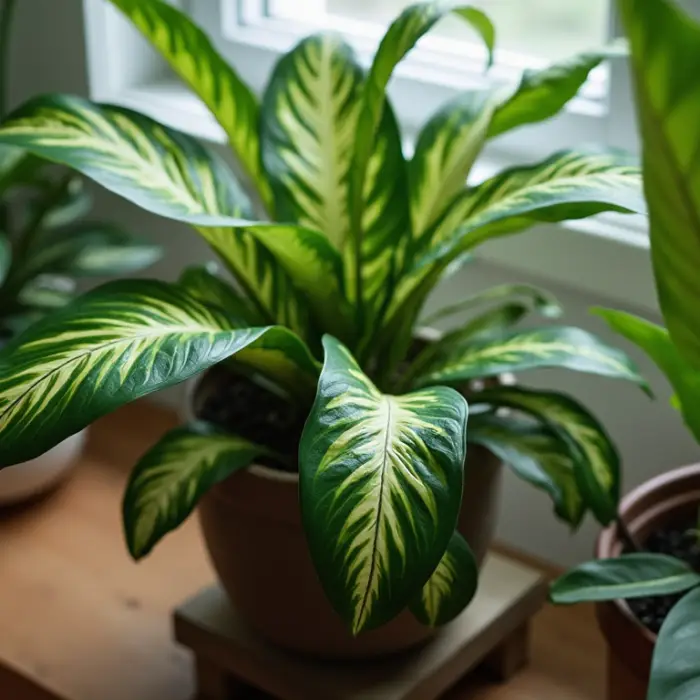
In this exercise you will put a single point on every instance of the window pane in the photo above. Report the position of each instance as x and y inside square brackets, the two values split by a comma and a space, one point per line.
[547, 29]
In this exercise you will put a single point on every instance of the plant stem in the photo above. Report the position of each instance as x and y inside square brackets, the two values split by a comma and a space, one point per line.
[626, 535]
[6, 16]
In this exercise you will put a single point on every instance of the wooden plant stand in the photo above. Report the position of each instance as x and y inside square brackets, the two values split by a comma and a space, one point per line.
[231, 661]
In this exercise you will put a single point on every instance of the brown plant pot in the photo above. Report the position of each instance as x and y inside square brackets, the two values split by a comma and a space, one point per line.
[253, 532]
[667, 500]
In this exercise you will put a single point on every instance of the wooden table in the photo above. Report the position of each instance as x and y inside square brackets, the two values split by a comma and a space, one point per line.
[79, 619]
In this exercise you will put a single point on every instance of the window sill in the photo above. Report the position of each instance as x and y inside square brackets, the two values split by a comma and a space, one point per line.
[607, 256]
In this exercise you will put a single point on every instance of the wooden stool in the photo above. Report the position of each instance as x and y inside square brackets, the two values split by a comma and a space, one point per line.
[231, 660]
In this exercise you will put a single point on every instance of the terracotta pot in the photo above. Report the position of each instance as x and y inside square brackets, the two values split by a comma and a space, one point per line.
[37, 476]
[253, 532]
[668, 500]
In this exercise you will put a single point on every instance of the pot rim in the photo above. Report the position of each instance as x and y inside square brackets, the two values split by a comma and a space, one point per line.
[608, 541]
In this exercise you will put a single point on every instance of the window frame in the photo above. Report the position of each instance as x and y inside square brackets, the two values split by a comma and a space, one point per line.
[586, 256]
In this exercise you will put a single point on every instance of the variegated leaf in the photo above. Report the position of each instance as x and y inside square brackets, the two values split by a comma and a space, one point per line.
[203, 283]
[451, 588]
[538, 299]
[445, 152]
[655, 341]
[381, 482]
[159, 169]
[413, 23]
[536, 455]
[675, 668]
[518, 351]
[308, 130]
[543, 93]
[629, 576]
[168, 482]
[596, 461]
[665, 48]
[190, 53]
[116, 344]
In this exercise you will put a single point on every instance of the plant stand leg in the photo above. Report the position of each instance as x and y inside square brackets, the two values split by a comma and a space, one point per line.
[215, 684]
[511, 656]
[622, 683]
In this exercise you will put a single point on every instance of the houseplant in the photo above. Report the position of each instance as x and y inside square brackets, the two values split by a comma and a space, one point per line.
[350, 239]
[655, 637]
[46, 243]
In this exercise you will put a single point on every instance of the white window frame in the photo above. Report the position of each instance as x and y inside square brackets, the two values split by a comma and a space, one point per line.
[588, 255]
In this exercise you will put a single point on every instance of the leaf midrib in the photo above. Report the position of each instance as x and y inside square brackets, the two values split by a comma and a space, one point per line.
[644, 585]
[58, 368]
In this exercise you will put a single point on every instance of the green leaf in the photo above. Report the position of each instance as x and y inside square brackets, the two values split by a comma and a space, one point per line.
[5, 256]
[47, 292]
[625, 577]
[309, 120]
[675, 669]
[192, 56]
[447, 148]
[451, 588]
[403, 34]
[538, 299]
[542, 94]
[518, 351]
[116, 344]
[568, 185]
[75, 202]
[168, 482]
[381, 483]
[90, 248]
[536, 455]
[19, 168]
[596, 461]
[161, 170]
[665, 62]
[656, 343]
[203, 283]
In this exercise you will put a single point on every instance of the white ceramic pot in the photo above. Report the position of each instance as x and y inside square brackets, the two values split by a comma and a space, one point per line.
[31, 479]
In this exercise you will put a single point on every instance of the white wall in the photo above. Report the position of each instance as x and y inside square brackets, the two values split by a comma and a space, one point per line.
[49, 56]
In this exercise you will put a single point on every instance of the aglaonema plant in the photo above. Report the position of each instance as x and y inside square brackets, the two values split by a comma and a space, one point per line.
[334, 240]
[665, 59]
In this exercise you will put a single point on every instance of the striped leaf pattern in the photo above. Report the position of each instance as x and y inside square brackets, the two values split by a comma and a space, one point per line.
[538, 299]
[627, 576]
[665, 61]
[204, 284]
[159, 169]
[675, 669]
[190, 53]
[570, 348]
[543, 93]
[116, 344]
[446, 150]
[451, 588]
[308, 131]
[167, 483]
[536, 455]
[381, 480]
[596, 461]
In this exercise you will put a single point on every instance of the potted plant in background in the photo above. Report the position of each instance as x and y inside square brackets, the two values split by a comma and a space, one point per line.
[365, 452]
[651, 558]
[46, 242]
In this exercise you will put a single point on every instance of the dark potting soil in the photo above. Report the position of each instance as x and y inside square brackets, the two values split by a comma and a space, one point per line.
[682, 543]
[245, 408]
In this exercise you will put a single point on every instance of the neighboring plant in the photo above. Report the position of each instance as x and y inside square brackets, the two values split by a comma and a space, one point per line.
[46, 241]
[363, 237]
[665, 46]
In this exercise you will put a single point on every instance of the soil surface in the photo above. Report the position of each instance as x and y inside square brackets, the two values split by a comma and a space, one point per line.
[252, 411]
[682, 543]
